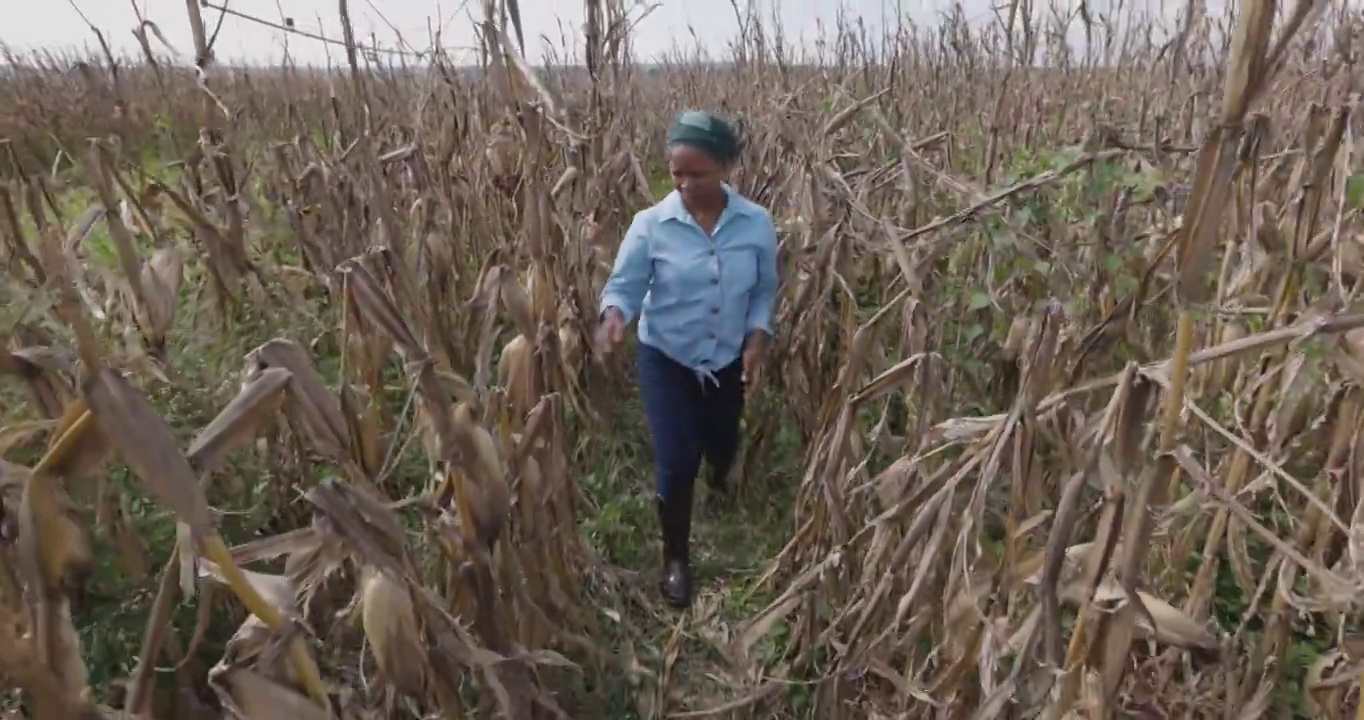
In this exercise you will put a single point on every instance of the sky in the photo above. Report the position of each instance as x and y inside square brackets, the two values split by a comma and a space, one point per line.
[56, 24]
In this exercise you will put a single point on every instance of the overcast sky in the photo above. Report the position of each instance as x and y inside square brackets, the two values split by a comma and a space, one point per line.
[56, 24]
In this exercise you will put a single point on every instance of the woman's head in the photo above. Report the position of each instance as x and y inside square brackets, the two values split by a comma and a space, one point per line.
[701, 150]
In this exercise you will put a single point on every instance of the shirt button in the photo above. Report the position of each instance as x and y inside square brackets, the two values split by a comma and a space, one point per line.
[714, 311]
[715, 281]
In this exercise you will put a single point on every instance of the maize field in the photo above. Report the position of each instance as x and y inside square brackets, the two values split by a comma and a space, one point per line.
[1063, 418]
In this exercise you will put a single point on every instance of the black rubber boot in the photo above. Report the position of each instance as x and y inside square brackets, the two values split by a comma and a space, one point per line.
[675, 519]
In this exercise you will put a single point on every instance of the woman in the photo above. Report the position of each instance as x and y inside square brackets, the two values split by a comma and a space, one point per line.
[699, 270]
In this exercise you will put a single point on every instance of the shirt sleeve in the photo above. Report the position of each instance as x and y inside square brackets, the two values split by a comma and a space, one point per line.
[630, 274]
[763, 299]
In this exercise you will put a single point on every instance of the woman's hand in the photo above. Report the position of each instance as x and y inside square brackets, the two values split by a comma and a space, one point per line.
[755, 346]
[611, 331]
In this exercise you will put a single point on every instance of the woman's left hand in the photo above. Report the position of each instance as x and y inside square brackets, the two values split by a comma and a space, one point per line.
[755, 345]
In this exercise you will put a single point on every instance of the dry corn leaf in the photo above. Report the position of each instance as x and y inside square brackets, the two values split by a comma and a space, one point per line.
[315, 409]
[276, 589]
[144, 441]
[247, 695]
[377, 308]
[368, 527]
[1172, 626]
[260, 398]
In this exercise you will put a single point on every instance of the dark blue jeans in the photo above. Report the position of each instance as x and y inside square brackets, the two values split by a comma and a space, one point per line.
[689, 419]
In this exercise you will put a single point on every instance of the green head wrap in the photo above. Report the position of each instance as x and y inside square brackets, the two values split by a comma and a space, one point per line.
[706, 133]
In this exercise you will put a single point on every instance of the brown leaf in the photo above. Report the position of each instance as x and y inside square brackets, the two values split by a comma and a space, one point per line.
[276, 589]
[239, 422]
[143, 439]
[1172, 626]
[312, 406]
[249, 695]
[375, 306]
[369, 528]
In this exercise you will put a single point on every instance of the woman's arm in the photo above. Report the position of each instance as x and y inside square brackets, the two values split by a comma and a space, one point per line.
[763, 298]
[631, 273]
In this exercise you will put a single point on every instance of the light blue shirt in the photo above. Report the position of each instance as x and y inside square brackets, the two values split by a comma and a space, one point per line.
[697, 297]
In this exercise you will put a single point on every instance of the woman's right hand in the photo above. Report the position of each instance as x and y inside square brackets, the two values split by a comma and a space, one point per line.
[611, 331]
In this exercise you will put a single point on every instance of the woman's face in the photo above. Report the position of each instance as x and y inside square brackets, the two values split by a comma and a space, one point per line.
[696, 175]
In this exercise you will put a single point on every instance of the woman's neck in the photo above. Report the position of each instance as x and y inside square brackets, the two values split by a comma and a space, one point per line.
[710, 209]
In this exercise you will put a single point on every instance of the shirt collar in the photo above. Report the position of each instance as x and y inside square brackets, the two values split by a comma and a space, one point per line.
[671, 206]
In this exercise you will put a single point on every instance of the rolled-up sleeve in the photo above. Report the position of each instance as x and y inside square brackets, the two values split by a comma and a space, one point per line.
[763, 299]
[630, 274]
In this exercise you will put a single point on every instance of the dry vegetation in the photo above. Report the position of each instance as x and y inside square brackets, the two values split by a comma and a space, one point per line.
[1063, 419]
